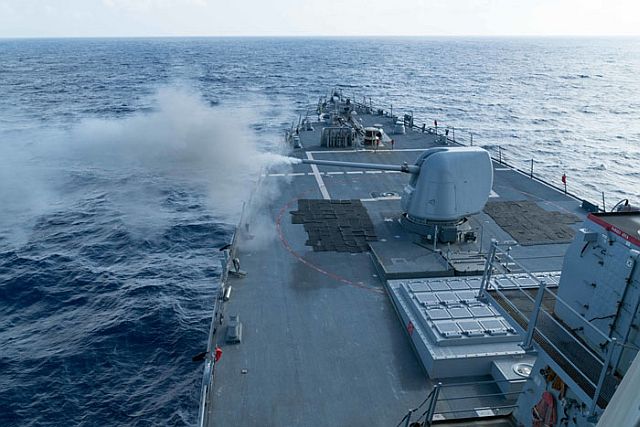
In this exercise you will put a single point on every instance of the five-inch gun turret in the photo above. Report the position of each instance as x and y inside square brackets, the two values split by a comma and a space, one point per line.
[447, 185]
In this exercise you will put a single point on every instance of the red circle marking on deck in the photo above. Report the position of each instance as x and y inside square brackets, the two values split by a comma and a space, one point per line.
[309, 264]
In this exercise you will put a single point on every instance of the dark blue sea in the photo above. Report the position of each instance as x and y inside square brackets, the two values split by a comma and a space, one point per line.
[124, 164]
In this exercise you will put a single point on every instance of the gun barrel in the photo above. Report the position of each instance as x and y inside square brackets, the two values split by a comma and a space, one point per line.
[401, 168]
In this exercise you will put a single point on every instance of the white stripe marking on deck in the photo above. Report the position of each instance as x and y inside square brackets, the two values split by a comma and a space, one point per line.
[335, 173]
[287, 174]
[485, 412]
[316, 174]
[372, 171]
[354, 172]
[368, 151]
[502, 169]
[494, 194]
[376, 199]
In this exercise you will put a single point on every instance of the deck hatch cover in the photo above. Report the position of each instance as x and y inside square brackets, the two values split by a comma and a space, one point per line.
[552, 280]
[460, 313]
[474, 283]
[467, 296]
[419, 287]
[471, 328]
[458, 285]
[525, 281]
[439, 286]
[448, 298]
[493, 327]
[438, 314]
[503, 282]
[448, 329]
[426, 298]
[481, 311]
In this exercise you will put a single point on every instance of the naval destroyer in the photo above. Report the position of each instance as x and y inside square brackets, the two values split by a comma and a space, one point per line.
[417, 279]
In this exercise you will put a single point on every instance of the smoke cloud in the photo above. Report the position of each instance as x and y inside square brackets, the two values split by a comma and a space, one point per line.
[183, 139]
[186, 138]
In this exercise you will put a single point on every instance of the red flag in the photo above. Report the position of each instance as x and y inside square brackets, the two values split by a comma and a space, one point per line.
[564, 178]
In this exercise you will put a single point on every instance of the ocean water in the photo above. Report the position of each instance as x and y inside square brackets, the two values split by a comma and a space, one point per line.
[124, 162]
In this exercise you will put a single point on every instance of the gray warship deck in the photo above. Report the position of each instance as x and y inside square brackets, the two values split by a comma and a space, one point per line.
[322, 343]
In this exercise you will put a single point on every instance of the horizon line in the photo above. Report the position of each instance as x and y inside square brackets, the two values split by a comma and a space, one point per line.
[229, 36]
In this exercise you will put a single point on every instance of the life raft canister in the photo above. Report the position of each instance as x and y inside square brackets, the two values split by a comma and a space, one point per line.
[544, 412]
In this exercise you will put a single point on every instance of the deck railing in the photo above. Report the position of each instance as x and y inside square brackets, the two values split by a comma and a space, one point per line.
[538, 323]
[228, 256]
[503, 155]
[428, 409]
[209, 368]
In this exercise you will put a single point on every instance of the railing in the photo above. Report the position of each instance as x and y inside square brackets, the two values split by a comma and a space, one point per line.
[209, 368]
[543, 329]
[407, 418]
[434, 397]
[537, 322]
[500, 154]
[207, 375]
[227, 261]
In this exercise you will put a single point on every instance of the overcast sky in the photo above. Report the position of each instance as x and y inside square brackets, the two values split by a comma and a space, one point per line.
[80, 18]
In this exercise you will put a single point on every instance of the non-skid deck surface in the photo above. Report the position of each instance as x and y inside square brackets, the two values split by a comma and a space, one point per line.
[529, 224]
[335, 225]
